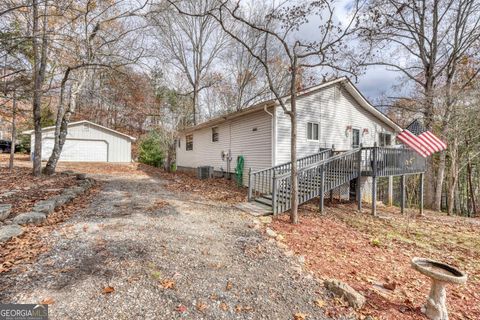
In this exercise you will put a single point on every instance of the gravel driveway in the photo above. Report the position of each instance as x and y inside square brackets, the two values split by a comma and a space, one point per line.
[166, 256]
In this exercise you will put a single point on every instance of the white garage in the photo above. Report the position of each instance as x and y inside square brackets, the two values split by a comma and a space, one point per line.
[88, 142]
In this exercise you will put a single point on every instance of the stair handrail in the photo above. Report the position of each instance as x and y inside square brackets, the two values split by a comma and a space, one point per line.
[261, 181]
[322, 162]
[323, 151]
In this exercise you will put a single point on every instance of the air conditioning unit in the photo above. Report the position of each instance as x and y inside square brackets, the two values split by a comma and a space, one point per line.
[205, 172]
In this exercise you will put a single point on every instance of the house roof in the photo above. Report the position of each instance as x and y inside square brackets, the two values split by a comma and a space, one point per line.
[347, 84]
[84, 122]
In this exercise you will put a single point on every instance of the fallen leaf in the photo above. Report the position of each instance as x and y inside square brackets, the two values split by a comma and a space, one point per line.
[201, 306]
[299, 316]
[181, 308]
[229, 286]
[168, 284]
[320, 303]
[390, 285]
[48, 300]
[108, 290]
[223, 306]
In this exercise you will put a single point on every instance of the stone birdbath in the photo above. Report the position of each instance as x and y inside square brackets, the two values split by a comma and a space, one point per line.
[441, 274]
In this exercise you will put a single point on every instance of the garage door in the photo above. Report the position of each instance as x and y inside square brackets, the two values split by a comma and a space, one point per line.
[78, 150]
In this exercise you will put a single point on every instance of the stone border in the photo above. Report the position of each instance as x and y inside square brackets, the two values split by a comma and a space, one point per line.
[42, 208]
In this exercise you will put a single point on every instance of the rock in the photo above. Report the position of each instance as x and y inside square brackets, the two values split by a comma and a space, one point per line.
[76, 190]
[81, 176]
[271, 233]
[282, 245]
[265, 219]
[354, 299]
[289, 253]
[280, 238]
[62, 199]
[87, 183]
[301, 259]
[8, 193]
[45, 206]
[380, 204]
[5, 211]
[10, 231]
[30, 218]
[68, 173]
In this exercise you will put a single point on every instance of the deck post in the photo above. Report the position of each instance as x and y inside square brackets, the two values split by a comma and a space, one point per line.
[274, 194]
[374, 179]
[322, 189]
[402, 194]
[422, 180]
[359, 179]
[250, 184]
[390, 191]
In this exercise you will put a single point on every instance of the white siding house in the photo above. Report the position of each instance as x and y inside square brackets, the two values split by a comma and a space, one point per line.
[333, 113]
[87, 142]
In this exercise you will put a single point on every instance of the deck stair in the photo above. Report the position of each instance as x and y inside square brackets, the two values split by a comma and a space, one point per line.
[325, 171]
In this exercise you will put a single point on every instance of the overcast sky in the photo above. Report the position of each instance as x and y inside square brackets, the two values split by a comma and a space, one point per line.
[374, 82]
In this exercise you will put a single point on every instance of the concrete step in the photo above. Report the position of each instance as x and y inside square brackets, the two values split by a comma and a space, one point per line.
[255, 208]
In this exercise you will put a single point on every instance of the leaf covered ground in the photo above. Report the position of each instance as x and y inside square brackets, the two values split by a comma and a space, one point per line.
[23, 250]
[373, 256]
[20, 189]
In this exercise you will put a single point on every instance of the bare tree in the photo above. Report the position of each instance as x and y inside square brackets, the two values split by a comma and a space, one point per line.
[40, 52]
[432, 37]
[282, 25]
[191, 44]
[94, 35]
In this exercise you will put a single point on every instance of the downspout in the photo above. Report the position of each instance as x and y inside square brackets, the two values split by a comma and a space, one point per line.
[274, 130]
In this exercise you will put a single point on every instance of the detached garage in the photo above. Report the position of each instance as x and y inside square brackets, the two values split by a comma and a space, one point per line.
[87, 142]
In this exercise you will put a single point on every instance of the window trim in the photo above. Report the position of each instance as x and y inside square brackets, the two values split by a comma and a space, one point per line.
[188, 144]
[215, 134]
[359, 137]
[382, 142]
[318, 131]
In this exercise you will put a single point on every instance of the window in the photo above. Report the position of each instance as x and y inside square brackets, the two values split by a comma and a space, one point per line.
[179, 140]
[312, 131]
[384, 139]
[355, 138]
[215, 134]
[189, 142]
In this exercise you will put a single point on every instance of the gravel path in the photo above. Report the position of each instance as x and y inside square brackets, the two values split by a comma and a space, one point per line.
[183, 259]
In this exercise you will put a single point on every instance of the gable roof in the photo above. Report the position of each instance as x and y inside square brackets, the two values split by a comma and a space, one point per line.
[85, 122]
[347, 84]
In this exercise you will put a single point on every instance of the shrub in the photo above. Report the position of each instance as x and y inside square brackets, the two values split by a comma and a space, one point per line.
[150, 150]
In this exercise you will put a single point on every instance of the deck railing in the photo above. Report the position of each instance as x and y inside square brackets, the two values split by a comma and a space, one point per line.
[261, 181]
[327, 170]
[388, 161]
[316, 179]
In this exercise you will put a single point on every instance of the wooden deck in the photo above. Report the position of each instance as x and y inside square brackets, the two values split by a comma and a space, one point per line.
[325, 171]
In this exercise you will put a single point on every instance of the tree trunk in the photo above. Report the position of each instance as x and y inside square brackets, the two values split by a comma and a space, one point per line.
[62, 135]
[14, 131]
[293, 145]
[437, 202]
[195, 102]
[39, 61]
[430, 172]
[452, 190]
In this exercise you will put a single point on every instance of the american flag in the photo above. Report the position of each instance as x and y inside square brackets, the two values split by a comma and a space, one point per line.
[422, 141]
